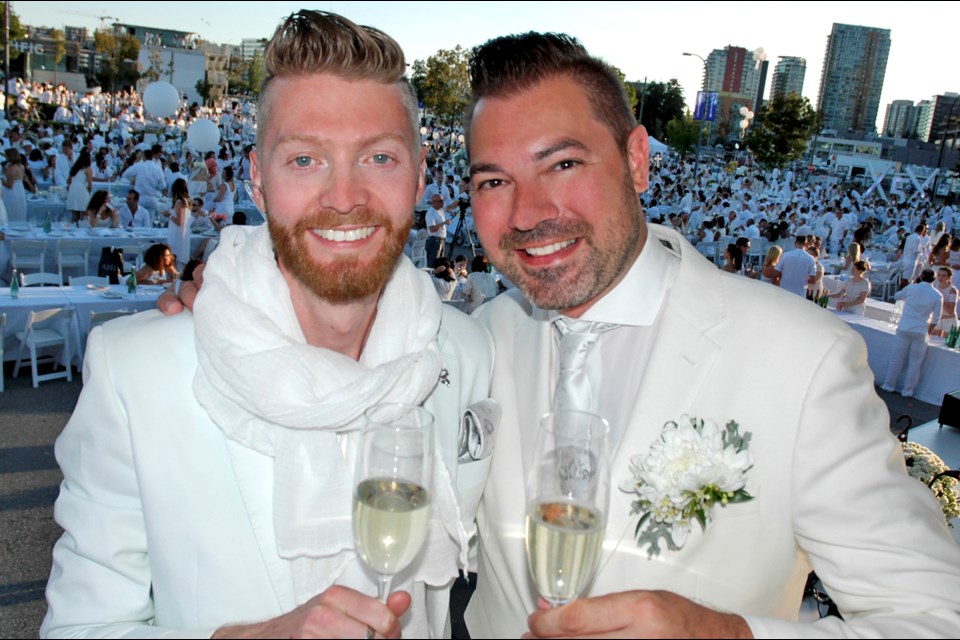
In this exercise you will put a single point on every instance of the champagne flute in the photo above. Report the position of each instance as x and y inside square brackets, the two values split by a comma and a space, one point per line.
[391, 502]
[568, 493]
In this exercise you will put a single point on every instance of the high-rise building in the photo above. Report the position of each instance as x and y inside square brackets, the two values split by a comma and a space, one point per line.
[734, 74]
[940, 114]
[732, 70]
[900, 119]
[852, 78]
[250, 47]
[788, 77]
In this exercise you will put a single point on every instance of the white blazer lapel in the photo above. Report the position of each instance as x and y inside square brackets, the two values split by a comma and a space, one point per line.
[254, 473]
[680, 363]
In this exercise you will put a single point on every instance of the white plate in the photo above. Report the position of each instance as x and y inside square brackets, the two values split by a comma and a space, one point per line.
[111, 295]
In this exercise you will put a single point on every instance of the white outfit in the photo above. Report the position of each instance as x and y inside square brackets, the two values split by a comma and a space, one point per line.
[78, 195]
[225, 206]
[922, 304]
[178, 237]
[852, 291]
[154, 550]
[479, 288]
[140, 218]
[837, 501]
[15, 201]
[795, 267]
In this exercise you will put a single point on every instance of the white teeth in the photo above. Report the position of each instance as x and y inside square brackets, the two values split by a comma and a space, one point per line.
[550, 248]
[350, 235]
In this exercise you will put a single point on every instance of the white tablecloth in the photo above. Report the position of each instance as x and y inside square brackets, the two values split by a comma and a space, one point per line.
[82, 299]
[940, 373]
[98, 239]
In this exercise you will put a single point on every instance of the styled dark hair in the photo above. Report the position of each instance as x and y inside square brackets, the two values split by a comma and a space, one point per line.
[97, 200]
[480, 264]
[736, 255]
[153, 256]
[509, 65]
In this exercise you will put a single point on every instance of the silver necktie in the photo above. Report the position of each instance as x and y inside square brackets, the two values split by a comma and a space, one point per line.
[577, 338]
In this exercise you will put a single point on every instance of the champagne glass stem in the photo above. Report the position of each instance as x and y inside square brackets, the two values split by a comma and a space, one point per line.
[383, 587]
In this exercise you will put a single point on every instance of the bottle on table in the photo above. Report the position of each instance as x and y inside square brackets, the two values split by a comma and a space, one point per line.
[15, 285]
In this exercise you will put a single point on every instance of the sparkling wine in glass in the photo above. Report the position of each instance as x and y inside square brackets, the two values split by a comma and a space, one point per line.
[391, 501]
[568, 491]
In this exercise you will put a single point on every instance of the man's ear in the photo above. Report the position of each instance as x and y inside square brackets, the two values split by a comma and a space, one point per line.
[638, 158]
[256, 180]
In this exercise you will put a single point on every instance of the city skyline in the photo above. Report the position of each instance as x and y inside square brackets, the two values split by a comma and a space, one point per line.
[645, 40]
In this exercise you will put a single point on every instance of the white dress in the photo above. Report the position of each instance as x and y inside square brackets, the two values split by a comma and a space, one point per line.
[15, 200]
[225, 206]
[178, 237]
[78, 196]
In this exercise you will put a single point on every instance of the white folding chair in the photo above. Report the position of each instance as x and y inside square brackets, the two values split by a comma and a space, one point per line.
[97, 318]
[131, 257]
[82, 281]
[27, 254]
[418, 253]
[39, 279]
[73, 254]
[3, 325]
[47, 328]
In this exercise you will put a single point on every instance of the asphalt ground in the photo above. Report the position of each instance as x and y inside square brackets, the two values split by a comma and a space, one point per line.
[30, 421]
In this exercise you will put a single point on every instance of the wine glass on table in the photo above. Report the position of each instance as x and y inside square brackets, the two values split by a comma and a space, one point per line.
[391, 500]
[568, 493]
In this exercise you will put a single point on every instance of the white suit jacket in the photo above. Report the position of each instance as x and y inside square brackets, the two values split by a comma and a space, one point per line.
[828, 479]
[168, 526]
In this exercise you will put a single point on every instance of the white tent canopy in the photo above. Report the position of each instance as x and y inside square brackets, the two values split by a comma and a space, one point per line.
[657, 146]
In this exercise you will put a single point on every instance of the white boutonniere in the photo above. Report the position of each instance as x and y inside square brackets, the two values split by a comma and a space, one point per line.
[694, 466]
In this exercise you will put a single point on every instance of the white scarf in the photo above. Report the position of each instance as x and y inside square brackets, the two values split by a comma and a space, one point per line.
[269, 390]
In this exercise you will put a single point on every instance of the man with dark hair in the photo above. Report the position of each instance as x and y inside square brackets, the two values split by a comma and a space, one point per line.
[224, 506]
[556, 166]
[131, 214]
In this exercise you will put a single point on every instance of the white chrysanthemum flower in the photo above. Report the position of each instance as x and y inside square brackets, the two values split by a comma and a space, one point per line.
[693, 465]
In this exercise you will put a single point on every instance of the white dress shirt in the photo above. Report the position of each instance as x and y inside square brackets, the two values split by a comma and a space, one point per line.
[921, 307]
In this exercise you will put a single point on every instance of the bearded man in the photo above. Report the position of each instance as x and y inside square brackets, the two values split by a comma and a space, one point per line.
[222, 504]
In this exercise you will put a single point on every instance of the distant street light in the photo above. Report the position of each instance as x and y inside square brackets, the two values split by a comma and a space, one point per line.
[706, 84]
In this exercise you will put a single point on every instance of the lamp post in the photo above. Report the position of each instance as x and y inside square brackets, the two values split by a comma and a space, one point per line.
[706, 84]
[943, 146]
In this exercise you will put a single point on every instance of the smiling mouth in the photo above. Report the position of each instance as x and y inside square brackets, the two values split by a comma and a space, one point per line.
[549, 249]
[348, 235]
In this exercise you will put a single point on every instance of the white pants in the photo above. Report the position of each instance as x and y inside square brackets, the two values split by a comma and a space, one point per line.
[909, 347]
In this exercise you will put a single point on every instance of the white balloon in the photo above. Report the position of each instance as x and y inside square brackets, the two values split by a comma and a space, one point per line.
[161, 99]
[203, 135]
[744, 124]
[743, 111]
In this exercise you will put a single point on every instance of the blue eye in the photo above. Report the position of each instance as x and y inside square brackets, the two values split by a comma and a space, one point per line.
[303, 161]
[381, 158]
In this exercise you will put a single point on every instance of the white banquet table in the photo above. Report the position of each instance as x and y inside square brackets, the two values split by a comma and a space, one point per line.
[940, 373]
[97, 238]
[82, 299]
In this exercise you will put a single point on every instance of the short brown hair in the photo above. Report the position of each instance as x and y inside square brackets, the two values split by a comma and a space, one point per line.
[509, 65]
[310, 42]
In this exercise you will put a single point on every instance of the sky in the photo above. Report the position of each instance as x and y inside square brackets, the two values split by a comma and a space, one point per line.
[644, 39]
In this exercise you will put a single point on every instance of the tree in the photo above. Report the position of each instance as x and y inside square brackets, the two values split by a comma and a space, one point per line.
[118, 57]
[682, 133]
[781, 130]
[255, 73]
[153, 73]
[17, 30]
[59, 49]
[663, 102]
[445, 83]
[629, 88]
